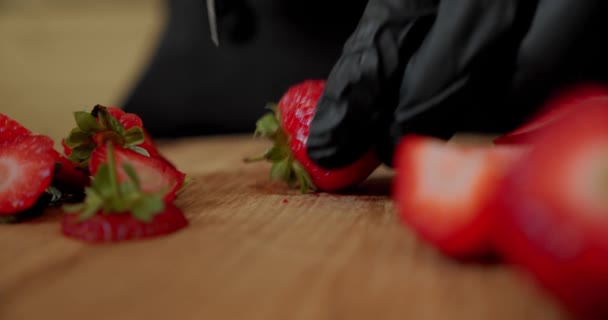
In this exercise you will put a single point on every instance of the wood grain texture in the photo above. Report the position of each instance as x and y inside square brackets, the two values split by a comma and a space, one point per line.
[255, 250]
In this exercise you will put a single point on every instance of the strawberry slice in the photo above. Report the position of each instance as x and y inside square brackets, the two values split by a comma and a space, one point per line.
[441, 192]
[118, 209]
[553, 209]
[155, 175]
[556, 108]
[11, 129]
[105, 124]
[26, 170]
[123, 226]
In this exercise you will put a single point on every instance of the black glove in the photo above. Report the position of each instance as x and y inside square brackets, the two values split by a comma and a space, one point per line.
[441, 67]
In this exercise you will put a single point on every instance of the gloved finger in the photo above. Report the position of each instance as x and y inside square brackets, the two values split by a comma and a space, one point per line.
[562, 39]
[469, 39]
[361, 84]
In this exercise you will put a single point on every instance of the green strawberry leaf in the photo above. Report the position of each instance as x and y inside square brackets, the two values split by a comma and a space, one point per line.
[77, 137]
[280, 170]
[87, 122]
[81, 155]
[267, 126]
[140, 150]
[87, 209]
[130, 171]
[146, 206]
[101, 182]
[134, 135]
[284, 166]
[277, 153]
[303, 177]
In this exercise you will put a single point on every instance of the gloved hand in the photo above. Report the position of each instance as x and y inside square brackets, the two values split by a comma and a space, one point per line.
[440, 67]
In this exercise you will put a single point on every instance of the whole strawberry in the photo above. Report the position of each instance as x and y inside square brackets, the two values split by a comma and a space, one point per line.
[288, 127]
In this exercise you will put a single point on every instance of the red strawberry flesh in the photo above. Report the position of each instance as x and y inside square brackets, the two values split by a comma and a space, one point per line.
[130, 120]
[441, 192]
[154, 174]
[121, 227]
[554, 211]
[11, 129]
[26, 170]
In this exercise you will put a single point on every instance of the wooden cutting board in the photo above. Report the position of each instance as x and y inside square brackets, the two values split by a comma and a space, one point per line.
[255, 250]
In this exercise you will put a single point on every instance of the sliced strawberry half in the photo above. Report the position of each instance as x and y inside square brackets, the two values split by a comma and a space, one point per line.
[105, 124]
[553, 209]
[11, 129]
[572, 100]
[155, 175]
[123, 226]
[26, 170]
[116, 209]
[441, 192]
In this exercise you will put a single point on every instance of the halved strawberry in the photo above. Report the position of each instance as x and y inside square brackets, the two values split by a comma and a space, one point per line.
[118, 209]
[154, 174]
[553, 209]
[11, 129]
[441, 192]
[26, 170]
[105, 124]
[573, 100]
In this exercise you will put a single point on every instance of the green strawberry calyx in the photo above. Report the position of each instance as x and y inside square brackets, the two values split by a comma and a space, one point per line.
[107, 196]
[284, 165]
[96, 128]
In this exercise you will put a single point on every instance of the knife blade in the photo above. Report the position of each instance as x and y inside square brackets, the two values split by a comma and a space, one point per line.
[213, 22]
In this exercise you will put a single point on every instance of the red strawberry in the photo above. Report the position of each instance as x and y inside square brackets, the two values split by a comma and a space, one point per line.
[26, 170]
[123, 226]
[130, 120]
[115, 112]
[70, 175]
[154, 174]
[105, 124]
[288, 127]
[572, 100]
[11, 129]
[441, 192]
[553, 209]
[119, 209]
